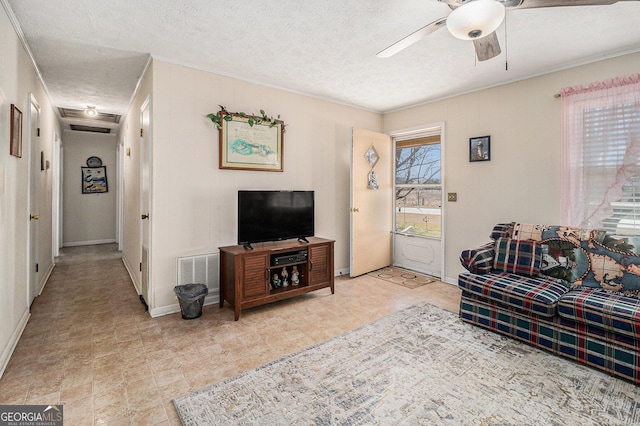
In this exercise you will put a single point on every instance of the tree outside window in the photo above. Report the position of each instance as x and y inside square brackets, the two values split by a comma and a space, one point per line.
[418, 187]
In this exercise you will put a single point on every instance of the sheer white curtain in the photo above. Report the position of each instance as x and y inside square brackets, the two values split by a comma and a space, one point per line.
[600, 156]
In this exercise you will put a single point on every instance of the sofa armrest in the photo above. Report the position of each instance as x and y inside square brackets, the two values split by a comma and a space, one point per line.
[478, 260]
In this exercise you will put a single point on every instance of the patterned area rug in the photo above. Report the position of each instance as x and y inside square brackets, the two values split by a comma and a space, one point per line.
[403, 277]
[421, 365]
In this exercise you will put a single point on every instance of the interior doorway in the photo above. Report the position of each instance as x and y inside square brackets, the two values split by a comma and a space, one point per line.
[418, 220]
[33, 132]
[145, 202]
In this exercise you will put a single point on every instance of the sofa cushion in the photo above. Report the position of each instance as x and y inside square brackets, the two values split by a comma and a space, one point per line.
[538, 295]
[478, 260]
[607, 310]
[520, 257]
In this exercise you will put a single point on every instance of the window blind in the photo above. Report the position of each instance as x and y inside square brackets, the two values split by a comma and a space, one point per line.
[606, 157]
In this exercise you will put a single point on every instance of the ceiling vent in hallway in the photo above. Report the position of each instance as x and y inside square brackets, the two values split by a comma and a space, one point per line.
[79, 113]
[79, 128]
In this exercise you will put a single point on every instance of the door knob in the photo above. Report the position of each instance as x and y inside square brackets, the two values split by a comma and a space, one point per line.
[34, 217]
[144, 216]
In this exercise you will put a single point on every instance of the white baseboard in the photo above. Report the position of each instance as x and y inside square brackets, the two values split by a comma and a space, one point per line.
[13, 341]
[88, 243]
[211, 299]
[45, 278]
[340, 272]
[453, 281]
[134, 280]
[164, 310]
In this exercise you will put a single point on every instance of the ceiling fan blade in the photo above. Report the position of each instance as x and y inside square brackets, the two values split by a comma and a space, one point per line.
[532, 4]
[487, 47]
[412, 38]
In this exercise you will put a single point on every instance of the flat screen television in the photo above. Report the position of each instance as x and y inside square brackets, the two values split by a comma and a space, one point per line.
[274, 216]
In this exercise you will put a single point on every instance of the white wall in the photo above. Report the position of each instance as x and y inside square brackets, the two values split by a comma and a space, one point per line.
[17, 79]
[194, 202]
[88, 218]
[193, 207]
[521, 182]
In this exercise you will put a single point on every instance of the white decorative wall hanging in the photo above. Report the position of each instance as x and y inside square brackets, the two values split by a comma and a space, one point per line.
[372, 158]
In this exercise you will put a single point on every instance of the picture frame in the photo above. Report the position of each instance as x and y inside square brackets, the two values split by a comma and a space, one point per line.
[15, 141]
[479, 148]
[94, 180]
[247, 143]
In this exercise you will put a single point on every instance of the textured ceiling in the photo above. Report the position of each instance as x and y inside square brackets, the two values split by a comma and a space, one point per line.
[92, 52]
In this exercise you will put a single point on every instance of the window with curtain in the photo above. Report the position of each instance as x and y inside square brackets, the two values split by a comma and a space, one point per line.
[600, 176]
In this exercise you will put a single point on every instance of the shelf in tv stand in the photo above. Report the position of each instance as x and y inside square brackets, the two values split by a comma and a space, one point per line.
[245, 275]
[290, 288]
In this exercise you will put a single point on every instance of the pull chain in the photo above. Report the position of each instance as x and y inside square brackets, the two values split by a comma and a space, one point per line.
[506, 45]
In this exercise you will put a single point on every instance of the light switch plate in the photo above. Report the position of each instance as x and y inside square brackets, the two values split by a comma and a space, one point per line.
[452, 196]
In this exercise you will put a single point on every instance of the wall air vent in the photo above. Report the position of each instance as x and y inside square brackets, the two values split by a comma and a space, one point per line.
[79, 128]
[78, 113]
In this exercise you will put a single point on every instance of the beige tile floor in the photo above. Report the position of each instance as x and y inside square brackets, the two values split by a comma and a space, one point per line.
[90, 346]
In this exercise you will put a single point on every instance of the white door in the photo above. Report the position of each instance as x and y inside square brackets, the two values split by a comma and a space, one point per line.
[34, 175]
[145, 199]
[418, 235]
[371, 201]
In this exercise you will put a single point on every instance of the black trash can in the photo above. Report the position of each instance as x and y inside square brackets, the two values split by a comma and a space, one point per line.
[191, 298]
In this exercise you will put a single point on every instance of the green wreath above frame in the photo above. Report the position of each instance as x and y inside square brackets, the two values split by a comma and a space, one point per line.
[263, 118]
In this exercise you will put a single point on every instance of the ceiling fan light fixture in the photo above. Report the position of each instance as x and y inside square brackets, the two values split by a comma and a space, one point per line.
[91, 111]
[475, 19]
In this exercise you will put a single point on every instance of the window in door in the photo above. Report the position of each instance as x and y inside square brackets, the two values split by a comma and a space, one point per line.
[418, 187]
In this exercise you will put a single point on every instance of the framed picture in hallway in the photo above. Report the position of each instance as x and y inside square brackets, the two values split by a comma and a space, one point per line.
[15, 143]
[94, 180]
[480, 148]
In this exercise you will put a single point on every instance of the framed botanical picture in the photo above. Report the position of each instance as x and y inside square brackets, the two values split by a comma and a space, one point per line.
[480, 148]
[247, 145]
[94, 180]
[15, 143]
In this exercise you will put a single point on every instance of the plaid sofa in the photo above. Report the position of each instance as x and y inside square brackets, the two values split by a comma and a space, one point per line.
[572, 292]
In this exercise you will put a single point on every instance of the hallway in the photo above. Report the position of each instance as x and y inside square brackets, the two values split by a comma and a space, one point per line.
[90, 346]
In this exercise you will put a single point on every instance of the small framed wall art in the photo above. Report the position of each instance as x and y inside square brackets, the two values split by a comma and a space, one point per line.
[250, 146]
[94, 180]
[15, 143]
[480, 148]
[94, 177]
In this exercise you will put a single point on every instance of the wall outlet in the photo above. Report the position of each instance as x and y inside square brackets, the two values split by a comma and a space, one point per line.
[452, 196]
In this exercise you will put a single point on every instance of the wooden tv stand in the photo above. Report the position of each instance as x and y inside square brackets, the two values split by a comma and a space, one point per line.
[246, 275]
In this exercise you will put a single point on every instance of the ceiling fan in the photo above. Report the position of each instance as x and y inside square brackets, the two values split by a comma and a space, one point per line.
[477, 20]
